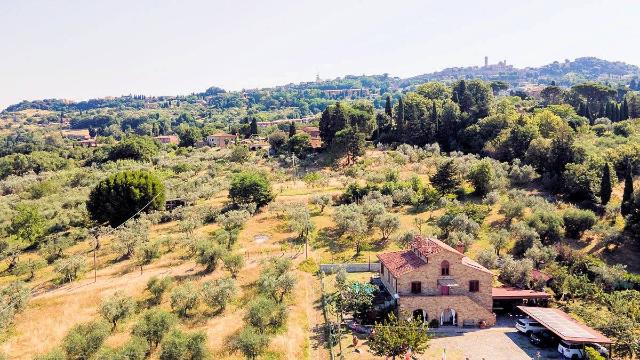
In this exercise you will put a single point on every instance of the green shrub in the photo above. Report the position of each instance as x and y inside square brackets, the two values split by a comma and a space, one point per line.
[69, 267]
[593, 354]
[251, 342]
[27, 225]
[548, 224]
[251, 187]
[135, 148]
[55, 354]
[184, 298]
[266, 314]
[217, 293]
[134, 349]
[84, 340]
[153, 325]
[239, 154]
[183, 346]
[233, 263]
[157, 287]
[486, 176]
[208, 253]
[14, 297]
[577, 221]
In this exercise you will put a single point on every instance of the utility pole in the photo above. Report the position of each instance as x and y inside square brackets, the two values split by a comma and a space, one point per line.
[326, 317]
[96, 243]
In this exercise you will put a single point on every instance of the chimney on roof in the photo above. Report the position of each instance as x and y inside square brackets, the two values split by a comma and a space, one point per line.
[460, 247]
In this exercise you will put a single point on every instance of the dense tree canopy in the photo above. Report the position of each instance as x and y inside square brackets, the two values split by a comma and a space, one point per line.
[121, 195]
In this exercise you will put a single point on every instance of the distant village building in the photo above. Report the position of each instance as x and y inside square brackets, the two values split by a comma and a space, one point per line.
[168, 139]
[314, 132]
[221, 140]
[304, 120]
[342, 93]
[256, 143]
[89, 143]
[76, 135]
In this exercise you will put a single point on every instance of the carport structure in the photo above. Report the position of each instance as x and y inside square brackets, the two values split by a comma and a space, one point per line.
[565, 327]
[508, 298]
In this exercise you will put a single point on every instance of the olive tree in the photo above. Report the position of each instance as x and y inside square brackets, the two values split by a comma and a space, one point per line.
[84, 340]
[69, 267]
[217, 293]
[321, 200]
[179, 345]
[251, 342]
[157, 288]
[155, 323]
[184, 297]
[116, 307]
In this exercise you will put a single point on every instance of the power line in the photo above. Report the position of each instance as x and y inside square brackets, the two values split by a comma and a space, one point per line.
[32, 293]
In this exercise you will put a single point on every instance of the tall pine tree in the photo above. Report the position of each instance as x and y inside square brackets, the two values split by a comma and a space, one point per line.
[627, 195]
[254, 126]
[602, 113]
[387, 107]
[605, 185]
[624, 110]
[400, 123]
[292, 129]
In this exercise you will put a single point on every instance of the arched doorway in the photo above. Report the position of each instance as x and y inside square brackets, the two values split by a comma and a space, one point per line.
[448, 317]
[420, 315]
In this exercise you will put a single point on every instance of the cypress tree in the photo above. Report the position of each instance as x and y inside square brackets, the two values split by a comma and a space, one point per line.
[624, 114]
[435, 122]
[587, 113]
[602, 112]
[400, 121]
[254, 126]
[605, 185]
[627, 195]
[608, 113]
[292, 129]
[387, 106]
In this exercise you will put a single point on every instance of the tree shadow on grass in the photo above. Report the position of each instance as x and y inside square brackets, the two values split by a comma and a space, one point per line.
[330, 239]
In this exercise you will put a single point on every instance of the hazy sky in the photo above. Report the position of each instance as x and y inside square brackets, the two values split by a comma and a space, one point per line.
[88, 48]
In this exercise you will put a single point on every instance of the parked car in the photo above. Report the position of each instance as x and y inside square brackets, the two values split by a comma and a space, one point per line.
[357, 328]
[543, 338]
[571, 350]
[528, 326]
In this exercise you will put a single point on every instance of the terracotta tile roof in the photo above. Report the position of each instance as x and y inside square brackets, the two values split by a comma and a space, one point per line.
[223, 135]
[537, 274]
[401, 262]
[470, 263]
[506, 292]
[430, 246]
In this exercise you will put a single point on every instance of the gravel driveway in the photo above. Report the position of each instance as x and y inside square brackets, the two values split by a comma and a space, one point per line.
[501, 342]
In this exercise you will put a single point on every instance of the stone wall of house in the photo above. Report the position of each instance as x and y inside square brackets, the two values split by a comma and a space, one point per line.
[459, 273]
[467, 310]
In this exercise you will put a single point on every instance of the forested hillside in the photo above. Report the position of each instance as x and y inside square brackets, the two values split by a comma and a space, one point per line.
[127, 234]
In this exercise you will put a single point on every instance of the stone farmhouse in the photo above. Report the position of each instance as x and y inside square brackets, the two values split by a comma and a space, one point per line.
[434, 282]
